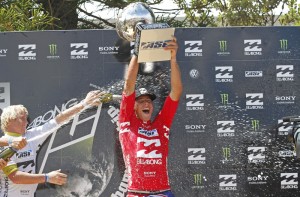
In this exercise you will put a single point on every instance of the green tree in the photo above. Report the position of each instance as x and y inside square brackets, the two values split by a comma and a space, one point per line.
[23, 15]
[292, 17]
[249, 12]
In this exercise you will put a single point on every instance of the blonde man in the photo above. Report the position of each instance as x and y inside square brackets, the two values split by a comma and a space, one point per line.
[19, 177]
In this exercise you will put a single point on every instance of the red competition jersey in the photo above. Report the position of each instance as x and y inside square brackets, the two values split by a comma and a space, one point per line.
[145, 145]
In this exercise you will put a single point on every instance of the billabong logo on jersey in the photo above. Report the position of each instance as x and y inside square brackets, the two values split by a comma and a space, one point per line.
[254, 101]
[224, 73]
[153, 45]
[252, 47]
[285, 73]
[3, 52]
[193, 48]
[4, 95]
[257, 73]
[194, 73]
[148, 133]
[27, 52]
[225, 128]
[228, 182]
[194, 102]
[289, 180]
[196, 156]
[283, 127]
[256, 154]
[79, 50]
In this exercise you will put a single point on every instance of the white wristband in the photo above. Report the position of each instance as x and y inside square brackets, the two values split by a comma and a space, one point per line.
[84, 104]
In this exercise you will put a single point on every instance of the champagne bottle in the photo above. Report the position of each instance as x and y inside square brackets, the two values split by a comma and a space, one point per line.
[107, 97]
[7, 153]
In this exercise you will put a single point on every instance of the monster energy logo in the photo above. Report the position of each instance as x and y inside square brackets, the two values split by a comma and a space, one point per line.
[226, 153]
[53, 49]
[224, 98]
[283, 44]
[198, 179]
[223, 45]
[255, 124]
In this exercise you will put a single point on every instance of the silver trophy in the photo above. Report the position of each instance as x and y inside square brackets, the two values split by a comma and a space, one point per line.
[131, 15]
[136, 23]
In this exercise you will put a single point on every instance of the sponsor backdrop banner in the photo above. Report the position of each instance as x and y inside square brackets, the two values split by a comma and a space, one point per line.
[227, 138]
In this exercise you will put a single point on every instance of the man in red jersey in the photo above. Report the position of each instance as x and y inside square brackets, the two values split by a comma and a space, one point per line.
[145, 143]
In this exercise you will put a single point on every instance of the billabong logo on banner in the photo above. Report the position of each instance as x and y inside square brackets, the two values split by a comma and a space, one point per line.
[198, 128]
[196, 156]
[257, 73]
[253, 47]
[194, 102]
[285, 99]
[27, 51]
[108, 50]
[259, 179]
[79, 50]
[283, 127]
[225, 128]
[285, 73]
[53, 52]
[223, 48]
[256, 154]
[224, 73]
[194, 73]
[254, 101]
[193, 48]
[228, 182]
[4, 95]
[3, 52]
[283, 47]
[289, 180]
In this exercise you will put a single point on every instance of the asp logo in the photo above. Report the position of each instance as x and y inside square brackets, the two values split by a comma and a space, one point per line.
[225, 128]
[256, 154]
[79, 50]
[224, 73]
[254, 101]
[252, 47]
[194, 102]
[4, 95]
[27, 51]
[228, 182]
[196, 156]
[193, 48]
[153, 45]
[289, 180]
[285, 73]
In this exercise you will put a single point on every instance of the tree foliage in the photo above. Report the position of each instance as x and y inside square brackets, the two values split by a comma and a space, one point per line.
[27, 15]
[23, 15]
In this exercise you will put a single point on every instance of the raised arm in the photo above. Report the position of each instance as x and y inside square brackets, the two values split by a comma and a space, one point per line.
[131, 75]
[91, 99]
[176, 82]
